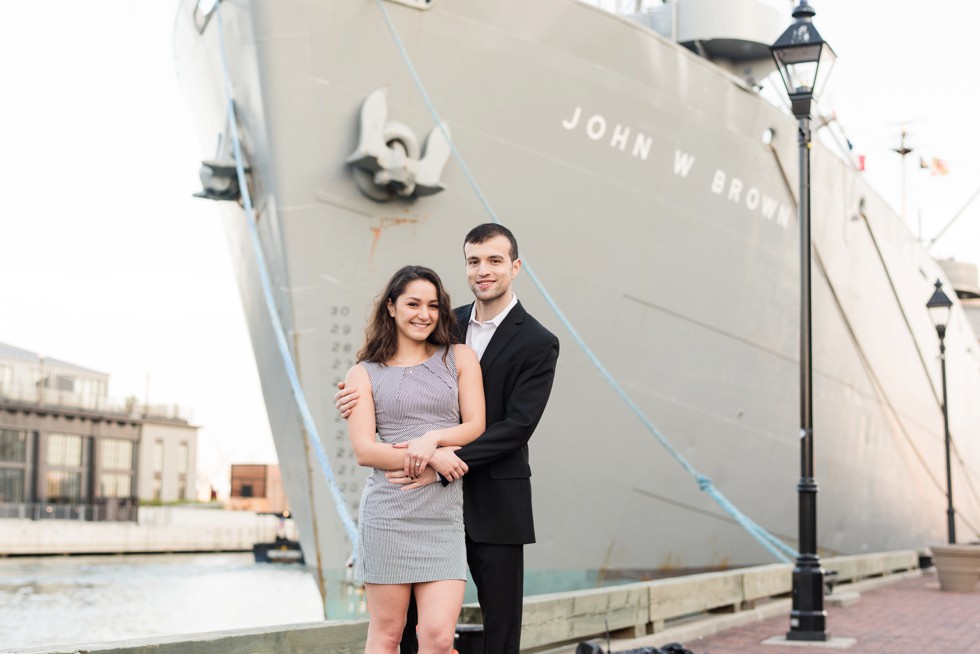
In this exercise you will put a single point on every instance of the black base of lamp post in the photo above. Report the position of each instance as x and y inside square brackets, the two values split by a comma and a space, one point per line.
[808, 619]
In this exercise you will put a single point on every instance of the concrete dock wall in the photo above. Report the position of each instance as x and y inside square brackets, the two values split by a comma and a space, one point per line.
[159, 529]
[336, 637]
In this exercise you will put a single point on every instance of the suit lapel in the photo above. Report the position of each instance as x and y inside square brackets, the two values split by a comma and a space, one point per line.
[507, 330]
[462, 321]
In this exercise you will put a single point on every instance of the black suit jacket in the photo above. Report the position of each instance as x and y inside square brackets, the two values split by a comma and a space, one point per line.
[518, 372]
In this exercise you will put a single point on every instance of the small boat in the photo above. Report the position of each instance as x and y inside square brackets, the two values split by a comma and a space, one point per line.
[280, 550]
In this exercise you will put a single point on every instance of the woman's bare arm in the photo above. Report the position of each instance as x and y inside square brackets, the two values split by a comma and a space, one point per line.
[361, 427]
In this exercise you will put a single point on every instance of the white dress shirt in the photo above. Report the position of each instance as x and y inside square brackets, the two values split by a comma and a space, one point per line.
[478, 334]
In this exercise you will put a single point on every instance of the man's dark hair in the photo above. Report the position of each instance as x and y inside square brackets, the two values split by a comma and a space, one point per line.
[486, 231]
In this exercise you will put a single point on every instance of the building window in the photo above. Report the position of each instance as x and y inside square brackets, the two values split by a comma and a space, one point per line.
[115, 484]
[183, 462]
[65, 468]
[158, 456]
[116, 475]
[64, 450]
[117, 454]
[11, 485]
[13, 464]
[64, 486]
[13, 446]
[157, 464]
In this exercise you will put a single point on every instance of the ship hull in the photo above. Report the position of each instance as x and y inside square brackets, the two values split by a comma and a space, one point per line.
[658, 221]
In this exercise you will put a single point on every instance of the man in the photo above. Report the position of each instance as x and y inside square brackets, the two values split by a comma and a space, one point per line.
[518, 358]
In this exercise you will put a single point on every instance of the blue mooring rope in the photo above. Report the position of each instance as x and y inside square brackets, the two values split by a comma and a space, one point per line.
[270, 303]
[776, 547]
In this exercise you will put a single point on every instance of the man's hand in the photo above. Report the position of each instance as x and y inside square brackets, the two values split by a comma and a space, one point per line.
[399, 478]
[345, 399]
[447, 464]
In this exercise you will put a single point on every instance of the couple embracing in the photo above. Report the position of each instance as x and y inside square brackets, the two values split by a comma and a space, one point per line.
[454, 396]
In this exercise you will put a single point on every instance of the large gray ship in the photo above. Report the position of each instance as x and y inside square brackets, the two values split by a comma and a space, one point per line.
[652, 187]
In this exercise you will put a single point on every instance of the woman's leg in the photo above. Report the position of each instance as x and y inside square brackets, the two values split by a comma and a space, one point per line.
[439, 604]
[387, 605]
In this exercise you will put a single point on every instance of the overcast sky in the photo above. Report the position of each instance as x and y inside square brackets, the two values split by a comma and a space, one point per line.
[107, 261]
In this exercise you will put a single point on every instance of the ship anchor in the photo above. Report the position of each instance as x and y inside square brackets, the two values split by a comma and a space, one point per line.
[387, 162]
[219, 176]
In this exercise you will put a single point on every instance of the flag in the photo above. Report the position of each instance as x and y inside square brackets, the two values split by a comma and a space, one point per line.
[939, 167]
[861, 162]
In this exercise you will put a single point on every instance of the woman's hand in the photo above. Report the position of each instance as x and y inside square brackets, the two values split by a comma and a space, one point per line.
[417, 453]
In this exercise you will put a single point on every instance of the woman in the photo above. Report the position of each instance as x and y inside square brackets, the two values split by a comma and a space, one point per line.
[420, 392]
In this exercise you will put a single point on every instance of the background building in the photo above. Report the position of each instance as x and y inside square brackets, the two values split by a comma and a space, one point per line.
[167, 458]
[257, 488]
[68, 451]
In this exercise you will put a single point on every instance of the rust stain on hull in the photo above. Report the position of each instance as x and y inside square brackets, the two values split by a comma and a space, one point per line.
[388, 223]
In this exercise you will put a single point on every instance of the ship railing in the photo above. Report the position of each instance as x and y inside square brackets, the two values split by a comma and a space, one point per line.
[115, 510]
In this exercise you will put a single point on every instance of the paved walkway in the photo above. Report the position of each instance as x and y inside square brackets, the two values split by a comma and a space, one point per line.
[909, 617]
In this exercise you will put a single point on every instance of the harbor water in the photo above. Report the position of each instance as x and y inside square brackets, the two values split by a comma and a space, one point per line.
[74, 600]
[86, 599]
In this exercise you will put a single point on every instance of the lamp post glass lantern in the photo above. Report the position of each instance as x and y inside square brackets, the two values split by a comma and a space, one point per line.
[804, 61]
[939, 306]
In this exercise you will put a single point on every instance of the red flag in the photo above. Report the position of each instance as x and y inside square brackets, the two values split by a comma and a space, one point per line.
[861, 162]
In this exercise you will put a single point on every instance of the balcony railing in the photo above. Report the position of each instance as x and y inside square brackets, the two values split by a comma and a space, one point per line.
[109, 510]
[52, 397]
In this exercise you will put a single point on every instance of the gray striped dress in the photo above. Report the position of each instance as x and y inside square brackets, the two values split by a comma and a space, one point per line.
[417, 535]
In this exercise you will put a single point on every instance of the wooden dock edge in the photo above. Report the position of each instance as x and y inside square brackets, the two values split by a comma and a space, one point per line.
[643, 608]
[640, 610]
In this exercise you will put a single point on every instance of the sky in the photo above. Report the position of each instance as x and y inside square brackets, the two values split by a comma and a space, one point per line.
[108, 262]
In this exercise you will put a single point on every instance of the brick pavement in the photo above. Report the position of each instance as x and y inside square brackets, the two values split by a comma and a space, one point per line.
[908, 617]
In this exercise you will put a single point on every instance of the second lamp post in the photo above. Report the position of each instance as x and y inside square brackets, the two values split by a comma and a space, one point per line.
[939, 305]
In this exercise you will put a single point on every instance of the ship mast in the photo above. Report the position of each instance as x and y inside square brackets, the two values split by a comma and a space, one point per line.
[904, 150]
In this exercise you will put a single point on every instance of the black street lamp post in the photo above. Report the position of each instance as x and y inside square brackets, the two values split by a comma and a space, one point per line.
[804, 61]
[939, 305]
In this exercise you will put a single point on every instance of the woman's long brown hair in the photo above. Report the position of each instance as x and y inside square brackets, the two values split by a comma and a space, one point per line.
[381, 336]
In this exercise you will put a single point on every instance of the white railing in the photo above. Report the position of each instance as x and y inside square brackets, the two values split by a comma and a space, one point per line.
[122, 511]
[52, 397]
